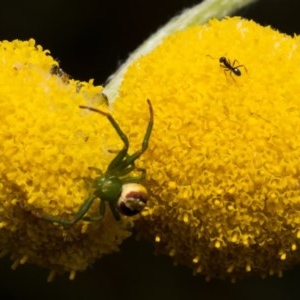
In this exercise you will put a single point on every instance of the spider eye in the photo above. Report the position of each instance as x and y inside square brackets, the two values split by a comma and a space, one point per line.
[133, 199]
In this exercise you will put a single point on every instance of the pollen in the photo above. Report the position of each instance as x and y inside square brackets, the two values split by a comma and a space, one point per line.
[157, 238]
[248, 268]
[196, 259]
[282, 256]
[223, 163]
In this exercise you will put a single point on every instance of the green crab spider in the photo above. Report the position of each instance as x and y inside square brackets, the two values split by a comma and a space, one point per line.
[123, 193]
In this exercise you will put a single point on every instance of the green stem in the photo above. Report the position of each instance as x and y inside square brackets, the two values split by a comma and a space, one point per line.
[198, 14]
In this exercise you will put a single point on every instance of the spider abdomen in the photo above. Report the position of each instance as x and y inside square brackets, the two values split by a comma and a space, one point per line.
[133, 199]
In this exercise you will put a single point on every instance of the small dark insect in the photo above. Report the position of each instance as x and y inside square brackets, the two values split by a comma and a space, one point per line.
[230, 67]
[116, 187]
[59, 72]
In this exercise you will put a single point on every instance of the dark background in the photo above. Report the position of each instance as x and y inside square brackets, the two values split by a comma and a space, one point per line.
[91, 38]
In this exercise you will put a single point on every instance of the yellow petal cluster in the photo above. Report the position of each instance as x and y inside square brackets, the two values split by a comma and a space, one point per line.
[47, 144]
[224, 159]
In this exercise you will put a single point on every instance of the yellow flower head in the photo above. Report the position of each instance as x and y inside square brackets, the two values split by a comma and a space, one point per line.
[223, 165]
[47, 146]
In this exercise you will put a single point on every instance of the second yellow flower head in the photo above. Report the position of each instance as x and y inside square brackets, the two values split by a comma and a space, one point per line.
[224, 161]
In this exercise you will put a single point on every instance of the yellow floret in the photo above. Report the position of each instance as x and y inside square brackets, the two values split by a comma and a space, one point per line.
[47, 146]
[224, 159]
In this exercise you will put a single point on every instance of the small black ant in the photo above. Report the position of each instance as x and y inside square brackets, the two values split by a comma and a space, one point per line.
[228, 66]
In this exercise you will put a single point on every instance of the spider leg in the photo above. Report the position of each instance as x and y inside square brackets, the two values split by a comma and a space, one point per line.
[100, 216]
[125, 171]
[119, 157]
[88, 181]
[136, 179]
[97, 170]
[130, 159]
[79, 215]
[114, 211]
